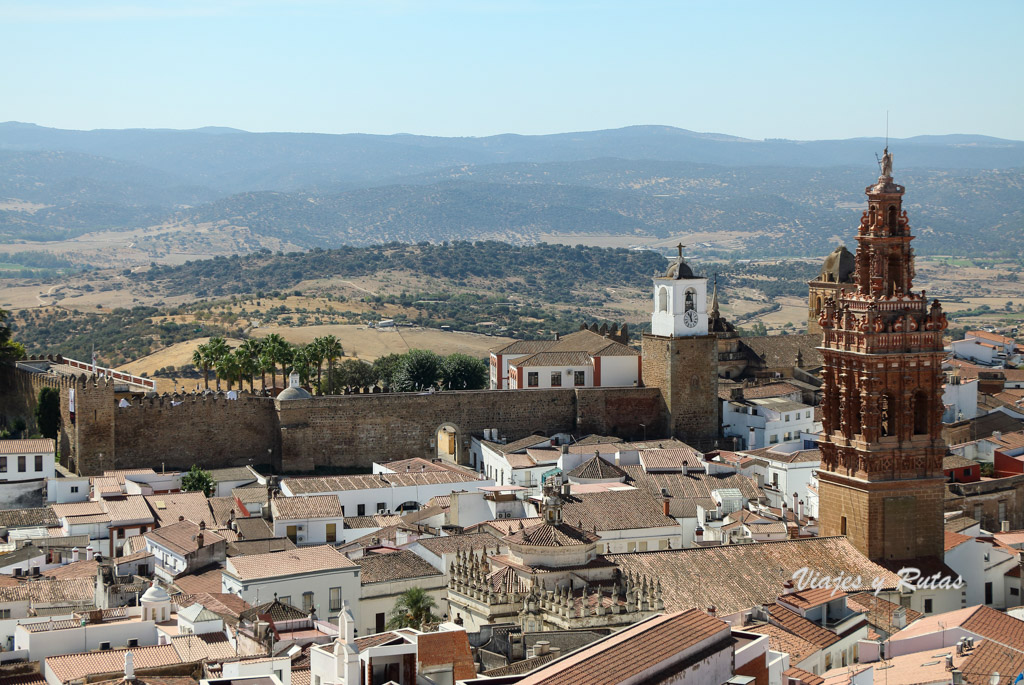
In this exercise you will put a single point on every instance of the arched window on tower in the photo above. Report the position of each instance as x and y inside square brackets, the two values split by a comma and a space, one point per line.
[663, 299]
[887, 412]
[921, 406]
[817, 305]
[690, 301]
[894, 276]
[893, 219]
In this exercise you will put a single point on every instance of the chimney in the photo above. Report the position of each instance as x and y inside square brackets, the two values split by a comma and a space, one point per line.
[199, 539]
[899, 618]
[89, 553]
[736, 394]
[752, 439]
[800, 509]
[712, 611]
[788, 587]
[541, 647]
[796, 509]
[565, 449]
[1004, 526]
[617, 458]
[74, 554]
[180, 518]
[698, 535]
[129, 667]
[664, 506]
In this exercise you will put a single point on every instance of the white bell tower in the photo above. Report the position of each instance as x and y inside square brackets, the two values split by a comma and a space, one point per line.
[680, 302]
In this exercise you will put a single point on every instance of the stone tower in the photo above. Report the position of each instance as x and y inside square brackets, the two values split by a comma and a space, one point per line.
[680, 356]
[881, 479]
[834, 281]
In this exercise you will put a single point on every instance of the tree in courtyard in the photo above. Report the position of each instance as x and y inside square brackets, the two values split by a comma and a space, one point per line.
[385, 368]
[462, 372]
[413, 609]
[198, 480]
[353, 373]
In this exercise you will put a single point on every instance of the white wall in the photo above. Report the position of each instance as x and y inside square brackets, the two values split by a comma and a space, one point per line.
[86, 638]
[390, 497]
[979, 562]
[292, 586]
[379, 598]
[67, 490]
[9, 466]
[8, 625]
[311, 531]
[566, 372]
[960, 401]
[619, 372]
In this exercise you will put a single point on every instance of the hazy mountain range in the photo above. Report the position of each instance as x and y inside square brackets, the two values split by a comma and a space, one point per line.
[328, 190]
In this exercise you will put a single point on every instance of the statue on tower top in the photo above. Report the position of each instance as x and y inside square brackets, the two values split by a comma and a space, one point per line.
[886, 163]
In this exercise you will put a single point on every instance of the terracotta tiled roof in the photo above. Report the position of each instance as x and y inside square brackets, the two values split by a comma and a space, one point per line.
[801, 676]
[544, 535]
[553, 358]
[372, 521]
[203, 647]
[277, 610]
[524, 347]
[597, 468]
[773, 453]
[981, 620]
[781, 350]
[29, 518]
[311, 507]
[798, 625]
[879, 611]
[505, 579]
[687, 491]
[241, 548]
[737, 577]
[955, 461]
[301, 677]
[670, 459]
[69, 667]
[255, 528]
[119, 475]
[615, 510]
[760, 392]
[807, 599]
[296, 561]
[183, 537]
[443, 501]
[51, 590]
[782, 640]
[222, 508]
[87, 508]
[223, 604]
[988, 657]
[503, 526]
[78, 569]
[254, 493]
[518, 445]
[992, 337]
[208, 580]
[521, 667]
[28, 446]
[403, 565]
[103, 487]
[327, 484]
[449, 544]
[191, 505]
[637, 650]
[956, 539]
[130, 509]
[378, 639]
[232, 474]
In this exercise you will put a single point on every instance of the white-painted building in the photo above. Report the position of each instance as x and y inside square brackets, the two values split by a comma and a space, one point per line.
[67, 490]
[22, 460]
[385, 576]
[765, 422]
[982, 347]
[312, 520]
[783, 471]
[319, 578]
[584, 359]
[120, 627]
[680, 302]
[363, 495]
[959, 399]
[983, 565]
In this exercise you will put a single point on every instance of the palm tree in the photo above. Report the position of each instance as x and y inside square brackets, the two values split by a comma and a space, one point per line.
[247, 367]
[264, 364]
[216, 350]
[273, 345]
[332, 349]
[229, 369]
[413, 610]
[250, 351]
[315, 354]
[201, 360]
[302, 364]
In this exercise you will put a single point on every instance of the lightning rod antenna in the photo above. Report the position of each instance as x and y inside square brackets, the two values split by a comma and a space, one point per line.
[886, 129]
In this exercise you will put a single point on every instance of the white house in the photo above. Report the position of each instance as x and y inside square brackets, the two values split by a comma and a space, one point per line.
[383, 492]
[766, 421]
[584, 359]
[312, 520]
[184, 546]
[785, 473]
[982, 347]
[983, 566]
[313, 578]
[26, 459]
[100, 629]
[959, 399]
[385, 576]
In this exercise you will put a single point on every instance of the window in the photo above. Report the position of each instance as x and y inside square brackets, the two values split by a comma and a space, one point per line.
[828, 661]
[579, 378]
[120, 533]
[39, 462]
[775, 481]
[689, 300]
[532, 379]
[307, 601]
[381, 507]
[381, 623]
[807, 414]
[1014, 591]
[967, 473]
[21, 463]
[842, 526]
[556, 379]
[662, 299]
[5, 613]
[774, 439]
[988, 592]
[335, 599]
[643, 546]
[133, 642]
[927, 606]
[332, 532]
[361, 510]
[287, 599]
[292, 532]
[977, 512]
[104, 645]
[74, 488]
[3, 464]
[786, 417]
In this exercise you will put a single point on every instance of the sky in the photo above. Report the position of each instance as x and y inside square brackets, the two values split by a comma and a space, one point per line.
[771, 69]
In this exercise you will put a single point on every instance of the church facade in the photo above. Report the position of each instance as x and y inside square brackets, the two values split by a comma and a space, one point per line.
[881, 478]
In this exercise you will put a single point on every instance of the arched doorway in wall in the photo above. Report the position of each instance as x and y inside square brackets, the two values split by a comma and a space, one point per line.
[447, 443]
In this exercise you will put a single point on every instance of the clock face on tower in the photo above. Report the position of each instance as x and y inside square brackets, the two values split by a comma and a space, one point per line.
[690, 318]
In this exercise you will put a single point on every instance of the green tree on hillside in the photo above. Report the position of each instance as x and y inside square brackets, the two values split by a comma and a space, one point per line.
[419, 370]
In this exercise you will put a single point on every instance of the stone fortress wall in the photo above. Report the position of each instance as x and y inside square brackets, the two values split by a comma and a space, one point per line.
[301, 435]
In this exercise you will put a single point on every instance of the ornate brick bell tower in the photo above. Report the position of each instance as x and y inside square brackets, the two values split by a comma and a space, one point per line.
[881, 479]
